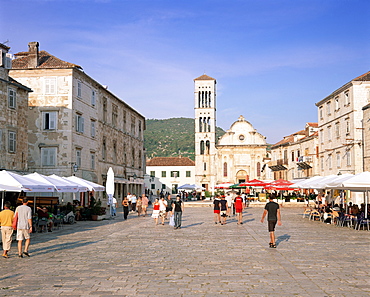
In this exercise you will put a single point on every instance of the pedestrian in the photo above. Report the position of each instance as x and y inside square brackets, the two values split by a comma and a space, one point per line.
[129, 198]
[114, 206]
[139, 206]
[125, 206]
[169, 206]
[91, 200]
[223, 210]
[155, 213]
[6, 223]
[239, 206]
[216, 209]
[162, 209]
[133, 202]
[24, 227]
[178, 209]
[229, 200]
[145, 204]
[272, 210]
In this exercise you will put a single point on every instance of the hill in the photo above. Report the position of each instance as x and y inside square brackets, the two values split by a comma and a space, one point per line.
[171, 137]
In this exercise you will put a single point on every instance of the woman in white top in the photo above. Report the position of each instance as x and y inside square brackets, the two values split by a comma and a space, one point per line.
[162, 209]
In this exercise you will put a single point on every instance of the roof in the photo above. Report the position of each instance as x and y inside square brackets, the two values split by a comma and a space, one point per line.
[46, 61]
[170, 161]
[204, 77]
[315, 125]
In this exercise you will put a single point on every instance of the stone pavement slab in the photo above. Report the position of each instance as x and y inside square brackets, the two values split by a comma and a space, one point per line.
[136, 258]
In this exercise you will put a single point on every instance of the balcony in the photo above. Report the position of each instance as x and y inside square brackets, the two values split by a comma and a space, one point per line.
[278, 165]
[305, 162]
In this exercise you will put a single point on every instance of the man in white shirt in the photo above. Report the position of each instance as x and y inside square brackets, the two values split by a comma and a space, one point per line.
[229, 200]
[133, 202]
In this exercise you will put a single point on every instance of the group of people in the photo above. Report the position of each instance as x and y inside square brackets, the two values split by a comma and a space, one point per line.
[134, 204]
[164, 207]
[20, 220]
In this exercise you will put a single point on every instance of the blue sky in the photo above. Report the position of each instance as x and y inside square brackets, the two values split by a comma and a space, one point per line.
[273, 60]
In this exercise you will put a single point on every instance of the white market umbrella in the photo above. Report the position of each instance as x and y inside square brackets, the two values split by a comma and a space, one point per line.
[66, 185]
[83, 182]
[6, 188]
[186, 187]
[109, 188]
[60, 186]
[16, 180]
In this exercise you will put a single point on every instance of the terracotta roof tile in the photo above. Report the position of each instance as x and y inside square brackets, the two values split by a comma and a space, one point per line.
[170, 161]
[363, 77]
[316, 125]
[46, 60]
[204, 77]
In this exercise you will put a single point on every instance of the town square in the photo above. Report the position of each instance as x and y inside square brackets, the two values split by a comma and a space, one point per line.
[185, 148]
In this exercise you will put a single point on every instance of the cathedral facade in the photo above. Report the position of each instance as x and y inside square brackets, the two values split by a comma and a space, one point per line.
[239, 155]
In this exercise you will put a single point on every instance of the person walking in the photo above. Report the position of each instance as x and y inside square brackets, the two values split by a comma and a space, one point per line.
[125, 205]
[169, 206]
[145, 204]
[239, 206]
[6, 223]
[229, 200]
[114, 206]
[178, 209]
[272, 210]
[162, 209]
[216, 209]
[155, 213]
[24, 227]
[223, 210]
[139, 206]
[133, 202]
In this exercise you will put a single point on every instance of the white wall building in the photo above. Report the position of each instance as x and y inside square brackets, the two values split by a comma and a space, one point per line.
[166, 174]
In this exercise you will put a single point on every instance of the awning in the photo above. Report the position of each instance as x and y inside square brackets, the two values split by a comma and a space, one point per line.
[304, 165]
[277, 167]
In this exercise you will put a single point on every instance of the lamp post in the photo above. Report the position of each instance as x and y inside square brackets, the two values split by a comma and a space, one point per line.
[75, 168]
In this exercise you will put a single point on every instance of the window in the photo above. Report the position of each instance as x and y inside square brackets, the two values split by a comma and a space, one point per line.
[12, 142]
[298, 153]
[346, 98]
[93, 98]
[164, 174]
[337, 130]
[48, 156]
[225, 169]
[330, 161]
[140, 130]
[133, 157]
[152, 173]
[79, 89]
[12, 97]
[92, 161]
[104, 149]
[175, 174]
[78, 157]
[133, 126]
[336, 103]
[321, 136]
[348, 158]
[348, 128]
[152, 186]
[320, 112]
[328, 108]
[258, 169]
[163, 186]
[80, 123]
[124, 120]
[329, 133]
[105, 109]
[93, 128]
[49, 120]
[338, 160]
[292, 156]
[202, 147]
[204, 166]
[114, 115]
[114, 151]
[188, 173]
[50, 85]
[174, 188]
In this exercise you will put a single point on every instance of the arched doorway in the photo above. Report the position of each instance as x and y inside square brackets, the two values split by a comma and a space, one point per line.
[241, 176]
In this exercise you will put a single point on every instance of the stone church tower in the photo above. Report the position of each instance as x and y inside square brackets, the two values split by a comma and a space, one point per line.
[205, 131]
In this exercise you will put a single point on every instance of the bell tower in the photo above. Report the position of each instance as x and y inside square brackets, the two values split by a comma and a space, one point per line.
[205, 131]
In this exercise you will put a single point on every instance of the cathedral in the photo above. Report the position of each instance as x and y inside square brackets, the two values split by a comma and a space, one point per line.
[239, 155]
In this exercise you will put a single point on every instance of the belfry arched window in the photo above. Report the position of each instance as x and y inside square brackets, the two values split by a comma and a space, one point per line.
[225, 169]
[202, 147]
[208, 147]
[200, 125]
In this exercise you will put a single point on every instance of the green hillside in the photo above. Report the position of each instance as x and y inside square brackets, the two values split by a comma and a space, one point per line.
[171, 137]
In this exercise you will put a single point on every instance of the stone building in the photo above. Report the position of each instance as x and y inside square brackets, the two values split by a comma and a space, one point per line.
[296, 155]
[166, 174]
[13, 117]
[239, 155]
[341, 130]
[77, 126]
[366, 135]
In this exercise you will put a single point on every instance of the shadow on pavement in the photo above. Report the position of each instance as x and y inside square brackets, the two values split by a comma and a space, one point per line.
[281, 238]
[192, 225]
[63, 246]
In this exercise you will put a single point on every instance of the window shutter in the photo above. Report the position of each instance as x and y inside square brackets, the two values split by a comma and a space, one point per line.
[82, 128]
[76, 122]
[52, 120]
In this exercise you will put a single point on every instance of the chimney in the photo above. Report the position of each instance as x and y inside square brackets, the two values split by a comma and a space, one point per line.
[33, 54]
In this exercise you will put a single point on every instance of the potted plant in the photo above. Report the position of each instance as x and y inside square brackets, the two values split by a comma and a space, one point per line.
[97, 211]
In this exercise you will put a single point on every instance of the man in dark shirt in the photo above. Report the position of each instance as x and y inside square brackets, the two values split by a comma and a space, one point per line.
[216, 209]
[178, 208]
[273, 216]
[223, 210]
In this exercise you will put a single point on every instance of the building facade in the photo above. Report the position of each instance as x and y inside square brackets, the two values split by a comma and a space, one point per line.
[341, 131]
[166, 174]
[239, 155]
[13, 118]
[77, 126]
[296, 155]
